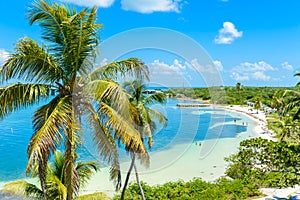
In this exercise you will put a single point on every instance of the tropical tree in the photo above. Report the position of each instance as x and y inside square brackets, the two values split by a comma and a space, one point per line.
[239, 88]
[145, 119]
[257, 104]
[55, 180]
[298, 75]
[65, 63]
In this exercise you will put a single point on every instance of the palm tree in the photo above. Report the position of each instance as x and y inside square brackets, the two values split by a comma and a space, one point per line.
[55, 180]
[239, 88]
[297, 74]
[144, 118]
[65, 64]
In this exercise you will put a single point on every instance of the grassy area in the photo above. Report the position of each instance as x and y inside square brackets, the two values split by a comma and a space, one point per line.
[94, 196]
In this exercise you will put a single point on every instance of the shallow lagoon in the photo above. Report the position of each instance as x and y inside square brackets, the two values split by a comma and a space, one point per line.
[186, 129]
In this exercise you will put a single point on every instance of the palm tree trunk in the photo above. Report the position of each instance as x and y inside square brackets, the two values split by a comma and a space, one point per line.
[138, 182]
[128, 175]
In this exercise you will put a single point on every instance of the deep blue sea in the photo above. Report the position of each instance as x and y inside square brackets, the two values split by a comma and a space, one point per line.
[185, 125]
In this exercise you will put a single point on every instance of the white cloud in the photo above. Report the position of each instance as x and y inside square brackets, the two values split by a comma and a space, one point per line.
[258, 66]
[158, 67]
[150, 6]
[168, 75]
[3, 56]
[287, 66]
[260, 76]
[236, 76]
[255, 71]
[91, 3]
[228, 34]
[218, 65]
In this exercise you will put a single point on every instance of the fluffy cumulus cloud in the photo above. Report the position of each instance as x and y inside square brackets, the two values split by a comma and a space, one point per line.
[260, 76]
[158, 67]
[250, 67]
[287, 66]
[91, 3]
[3, 56]
[165, 74]
[218, 65]
[150, 6]
[238, 77]
[228, 34]
[255, 71]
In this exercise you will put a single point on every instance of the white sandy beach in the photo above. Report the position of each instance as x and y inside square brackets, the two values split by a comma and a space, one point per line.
[186, 161]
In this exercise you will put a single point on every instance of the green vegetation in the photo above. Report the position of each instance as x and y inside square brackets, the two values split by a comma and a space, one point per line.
[267, 163]
[237, 95]
[55, 180]
[94, 196]
[195, 189]
[272, 163]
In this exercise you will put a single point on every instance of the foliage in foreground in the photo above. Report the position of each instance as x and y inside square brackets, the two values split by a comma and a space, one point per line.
[55, 187]
[268, 163]
[195, 189]
[94, 196]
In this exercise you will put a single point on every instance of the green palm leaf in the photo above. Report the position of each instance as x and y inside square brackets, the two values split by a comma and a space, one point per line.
[106, 145]
[16, 96]
[55, 188]
[31, 63]
[132, 67]
[109, 91]
[50, 122]
[124, 131]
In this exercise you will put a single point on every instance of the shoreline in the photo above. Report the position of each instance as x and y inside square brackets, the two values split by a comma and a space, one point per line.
[193, 160]
[260, 118]
[204, 161]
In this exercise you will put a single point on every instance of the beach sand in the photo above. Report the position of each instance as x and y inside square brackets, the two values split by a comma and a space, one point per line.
[202, 159]
[186, 161]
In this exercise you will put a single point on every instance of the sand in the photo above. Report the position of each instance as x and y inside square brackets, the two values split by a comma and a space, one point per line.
[186, 161]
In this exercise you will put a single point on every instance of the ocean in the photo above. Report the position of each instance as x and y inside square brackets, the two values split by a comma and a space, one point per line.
[184, 126]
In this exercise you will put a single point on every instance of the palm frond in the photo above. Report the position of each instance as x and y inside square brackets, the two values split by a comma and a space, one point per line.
[58, 167]
[50, 18]
[155, 98]
[133, 67]
[154, 114]
[109, 91]
[85, 170]
[50, 121]
[16, 96]
[55, 188]
[31, 63]
[106, 145]
[124, 131]
[24, 189]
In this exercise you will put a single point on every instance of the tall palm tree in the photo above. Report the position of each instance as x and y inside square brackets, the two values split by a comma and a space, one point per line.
[297, 74]
[65, 63]
[145, 119]
[55, 180]
[238, 87]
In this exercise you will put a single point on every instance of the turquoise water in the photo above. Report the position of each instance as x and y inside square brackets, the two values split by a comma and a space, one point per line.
[185, 125]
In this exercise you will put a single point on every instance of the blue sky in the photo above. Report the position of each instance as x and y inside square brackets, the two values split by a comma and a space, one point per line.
[254, 42]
